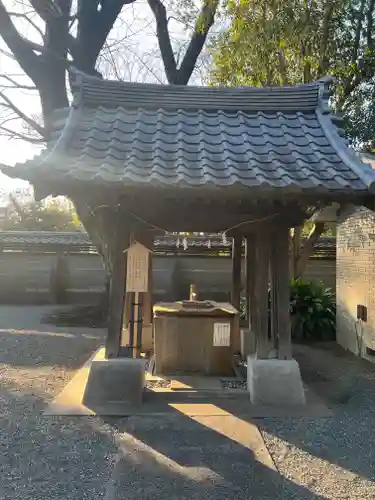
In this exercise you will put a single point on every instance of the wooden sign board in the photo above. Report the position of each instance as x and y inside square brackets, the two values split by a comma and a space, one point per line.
[221, 334]
[137, 268]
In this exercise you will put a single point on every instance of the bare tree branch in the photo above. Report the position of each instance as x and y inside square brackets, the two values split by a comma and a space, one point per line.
[204, 22]
[8, 120]
[143, 63]
[71, 41]
[26, 17]
[7, 54]
[164, 39]
[46, 9]
[15, 84]
[27, 59]
[18, 135]
[113, 62]
[32, 123]
[93, 29]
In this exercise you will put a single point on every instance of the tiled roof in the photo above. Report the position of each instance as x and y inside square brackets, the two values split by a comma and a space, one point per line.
[44, 238]
[95, 92]
[138, 134]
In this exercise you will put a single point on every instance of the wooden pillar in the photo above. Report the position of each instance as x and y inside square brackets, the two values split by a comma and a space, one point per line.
[280, 296]
[250, 280]
[147, 329]
[274, 296]
[236, 271]
[147, 300]
[116, 302]
[262, 257]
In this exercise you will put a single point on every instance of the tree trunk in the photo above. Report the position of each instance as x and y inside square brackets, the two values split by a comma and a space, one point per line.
[299, 255]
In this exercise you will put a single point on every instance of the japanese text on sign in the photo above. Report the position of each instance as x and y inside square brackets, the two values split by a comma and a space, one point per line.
[221, 334]
[137, 268]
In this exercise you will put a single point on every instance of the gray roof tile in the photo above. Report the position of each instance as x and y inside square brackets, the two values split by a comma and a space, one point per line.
[81, 239]
[137, 134]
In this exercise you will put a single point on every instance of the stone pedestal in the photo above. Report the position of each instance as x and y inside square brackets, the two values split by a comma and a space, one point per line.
[119, 380]
[274, 382]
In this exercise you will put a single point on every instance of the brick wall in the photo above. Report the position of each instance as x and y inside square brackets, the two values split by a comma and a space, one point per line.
[355, 280]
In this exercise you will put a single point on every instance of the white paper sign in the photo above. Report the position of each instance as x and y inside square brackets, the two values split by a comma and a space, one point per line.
[221, 334]
[137, 268]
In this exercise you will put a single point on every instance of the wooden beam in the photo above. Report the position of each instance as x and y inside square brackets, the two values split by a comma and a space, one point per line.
[280, 294]
[262, 255]
[236, 271]
[174, 214]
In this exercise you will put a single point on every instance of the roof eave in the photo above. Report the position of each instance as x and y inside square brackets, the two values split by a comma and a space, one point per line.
[365, 173]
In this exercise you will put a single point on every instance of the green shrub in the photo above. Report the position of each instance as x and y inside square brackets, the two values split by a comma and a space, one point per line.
[312, 309]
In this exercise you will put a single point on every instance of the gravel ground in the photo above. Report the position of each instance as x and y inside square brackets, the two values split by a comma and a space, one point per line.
[158, 384]
[55, 458]
[61, 458]
[333, 457]
[234, 384]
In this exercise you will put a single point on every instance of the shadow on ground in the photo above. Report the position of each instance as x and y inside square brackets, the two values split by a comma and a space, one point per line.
[50, 458]
[178, 457]
[174, 457]
[346, 440]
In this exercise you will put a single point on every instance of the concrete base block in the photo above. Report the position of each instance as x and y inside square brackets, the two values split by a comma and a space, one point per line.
[274, 382]
[115, 380]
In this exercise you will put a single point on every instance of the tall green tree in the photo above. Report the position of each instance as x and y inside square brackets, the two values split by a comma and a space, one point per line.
[49, 215]
[281, 42]
[287, 42]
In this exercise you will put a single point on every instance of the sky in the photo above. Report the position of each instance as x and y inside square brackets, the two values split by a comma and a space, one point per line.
[136, 58]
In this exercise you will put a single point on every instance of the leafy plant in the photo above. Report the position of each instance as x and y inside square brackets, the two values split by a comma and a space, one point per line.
[312, 309]
[49, 215]
[284, 42]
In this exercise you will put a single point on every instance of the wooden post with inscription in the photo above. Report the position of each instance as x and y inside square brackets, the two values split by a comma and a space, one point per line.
[137, 285]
